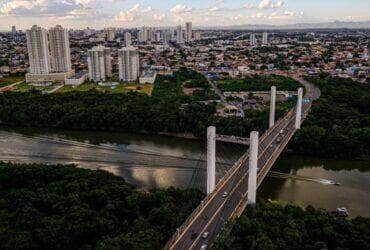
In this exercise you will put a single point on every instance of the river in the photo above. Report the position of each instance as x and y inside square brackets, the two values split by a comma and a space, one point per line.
[157, 161]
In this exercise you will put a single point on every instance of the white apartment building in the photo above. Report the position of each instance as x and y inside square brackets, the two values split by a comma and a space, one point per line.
[38, 50]
[179, 35]
[128, 39]
[197, 36]
[110, 34]
[100, 63]
[265, 38]
[60, 54]
[143, 35]
[128, 64]
[253, 39]
[189, 31]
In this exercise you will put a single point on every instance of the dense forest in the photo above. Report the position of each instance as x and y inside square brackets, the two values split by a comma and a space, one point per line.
[271, 226]
[63, 207]
[339, 123]
[167, 110]
[259, 83]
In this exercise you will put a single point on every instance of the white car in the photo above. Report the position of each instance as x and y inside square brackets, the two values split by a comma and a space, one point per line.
[203, 247]
[224, 195]
[205, 235]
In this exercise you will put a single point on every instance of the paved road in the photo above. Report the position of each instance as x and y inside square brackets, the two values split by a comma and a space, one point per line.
[6, 88]
[217, 91]
[219, 209]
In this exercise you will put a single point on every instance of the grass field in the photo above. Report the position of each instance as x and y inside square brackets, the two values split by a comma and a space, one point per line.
[121, 88]
[25, 87]
[10, 80]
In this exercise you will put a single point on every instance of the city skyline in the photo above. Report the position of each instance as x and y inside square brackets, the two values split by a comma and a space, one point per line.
[129, 14]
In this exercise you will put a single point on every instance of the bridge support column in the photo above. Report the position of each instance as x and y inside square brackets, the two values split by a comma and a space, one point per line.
[211, 159]
[298, 118]
[272, 106]
[253, 160]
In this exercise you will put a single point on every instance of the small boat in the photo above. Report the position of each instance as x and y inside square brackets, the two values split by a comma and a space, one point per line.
[341, 212]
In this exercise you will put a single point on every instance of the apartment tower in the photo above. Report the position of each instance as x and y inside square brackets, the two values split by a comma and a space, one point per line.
[60, 54]
[189, 32]
[128, 64]
[38, 50]
[100, 63]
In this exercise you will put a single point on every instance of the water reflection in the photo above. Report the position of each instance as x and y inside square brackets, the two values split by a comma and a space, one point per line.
[146, 161]
[353, 191]
[154, 161]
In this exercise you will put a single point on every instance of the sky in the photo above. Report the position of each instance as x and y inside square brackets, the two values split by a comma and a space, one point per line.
[129, 13]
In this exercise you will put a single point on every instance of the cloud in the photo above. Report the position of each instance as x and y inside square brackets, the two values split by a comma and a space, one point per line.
[278, 15]
[125, 16]
[214, 9]
[128, 15]
[248, 6]
[148, 9]
[268, 4]
[135, 8]
[159, 17]
[26, 8]
[180, 9]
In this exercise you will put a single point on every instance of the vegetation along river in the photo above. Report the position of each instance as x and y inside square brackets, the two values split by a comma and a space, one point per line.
[154, 161]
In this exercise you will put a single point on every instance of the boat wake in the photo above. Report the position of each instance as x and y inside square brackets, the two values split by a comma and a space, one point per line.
[281, 175]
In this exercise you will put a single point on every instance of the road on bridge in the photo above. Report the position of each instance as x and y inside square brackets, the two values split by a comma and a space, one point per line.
[229, 198]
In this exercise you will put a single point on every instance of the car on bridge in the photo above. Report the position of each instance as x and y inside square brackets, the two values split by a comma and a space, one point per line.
[205, 235]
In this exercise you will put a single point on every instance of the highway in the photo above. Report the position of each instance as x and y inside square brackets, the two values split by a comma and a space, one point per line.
[202, 228]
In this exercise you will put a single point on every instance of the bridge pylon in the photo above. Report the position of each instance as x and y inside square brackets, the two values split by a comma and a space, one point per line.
[211, 159]
[272, 106]
[253, 160]
[298, 118]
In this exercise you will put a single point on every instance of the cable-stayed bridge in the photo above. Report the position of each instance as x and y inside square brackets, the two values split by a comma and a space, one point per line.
[228, 199]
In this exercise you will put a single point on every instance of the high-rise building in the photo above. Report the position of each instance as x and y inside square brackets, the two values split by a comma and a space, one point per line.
[100, 63]
[60, 54]
[253, 39]
[110, 34]
[128, 64]
[14, 34]
[143, 35]
[38, 50]
[179, 35]
[197, 36]
[265, 38]
[151, 34]
[14, 31]
[189, 32]
[158, 36]
[128, 39]
[167, 36]
[173, 35]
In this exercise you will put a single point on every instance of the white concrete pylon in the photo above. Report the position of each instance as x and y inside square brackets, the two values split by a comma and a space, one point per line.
[298, 117]
[253, 160]
[211, 159]
[272, 106]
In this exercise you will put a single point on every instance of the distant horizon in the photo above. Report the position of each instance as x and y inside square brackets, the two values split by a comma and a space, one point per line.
[195, 27]
[77, 14]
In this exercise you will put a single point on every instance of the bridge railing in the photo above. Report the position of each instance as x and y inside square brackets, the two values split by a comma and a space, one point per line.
[220, 184]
